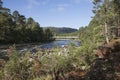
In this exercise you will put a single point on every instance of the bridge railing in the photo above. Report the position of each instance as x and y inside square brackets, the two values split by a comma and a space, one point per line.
[66, 37]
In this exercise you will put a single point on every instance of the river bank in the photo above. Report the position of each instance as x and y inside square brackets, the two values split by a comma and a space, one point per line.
[6, 46]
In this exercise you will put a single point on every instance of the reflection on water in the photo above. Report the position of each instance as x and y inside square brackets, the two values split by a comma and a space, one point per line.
[59, 43]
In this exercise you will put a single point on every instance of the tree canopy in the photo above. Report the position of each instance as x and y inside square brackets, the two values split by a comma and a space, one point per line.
[16, 28]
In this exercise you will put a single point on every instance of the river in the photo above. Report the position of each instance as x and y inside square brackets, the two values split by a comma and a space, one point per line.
[50, 45]
[59, 43]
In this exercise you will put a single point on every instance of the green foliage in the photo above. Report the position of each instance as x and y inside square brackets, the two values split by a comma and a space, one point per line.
[19, 67]
[95, 33]
[15, 28]
[68, 34]
[63, 31]
[90, 37]
[48, 35]
[107, 13]
[1, 74]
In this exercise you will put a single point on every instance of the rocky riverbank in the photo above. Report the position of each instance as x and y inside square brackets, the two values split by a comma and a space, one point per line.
[106, 66]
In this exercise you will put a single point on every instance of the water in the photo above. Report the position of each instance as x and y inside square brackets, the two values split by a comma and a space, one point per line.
[59, 43]
[50, 45]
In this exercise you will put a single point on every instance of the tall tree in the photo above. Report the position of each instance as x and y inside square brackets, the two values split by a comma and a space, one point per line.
[15, 15]
[29, 23]
[14, 28]
[1, 3]
[116, 12]
[101, 9]
[48, 34]
[105, 8]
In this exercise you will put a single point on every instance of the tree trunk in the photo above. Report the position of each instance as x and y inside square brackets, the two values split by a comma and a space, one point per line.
[106, 19]
[106, 32]
[118, 34]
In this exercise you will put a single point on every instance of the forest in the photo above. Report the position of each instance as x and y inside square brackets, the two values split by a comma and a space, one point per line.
[16, 28]
[97, 58]
[62, 30]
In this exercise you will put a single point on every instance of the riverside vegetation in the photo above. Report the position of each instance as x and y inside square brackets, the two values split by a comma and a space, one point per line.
[97, 58]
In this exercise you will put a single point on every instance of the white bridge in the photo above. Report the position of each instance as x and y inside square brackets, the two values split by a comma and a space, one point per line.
[66, 37]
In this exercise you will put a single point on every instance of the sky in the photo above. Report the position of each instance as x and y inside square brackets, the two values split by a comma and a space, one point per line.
[57, 13]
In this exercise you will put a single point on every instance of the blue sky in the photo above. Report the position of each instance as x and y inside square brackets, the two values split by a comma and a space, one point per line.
[58, 13]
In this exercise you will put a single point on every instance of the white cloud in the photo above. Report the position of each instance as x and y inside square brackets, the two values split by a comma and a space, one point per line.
[78, 1]
[90, 0]
[32, 3]
[60, 7]
[44, 2]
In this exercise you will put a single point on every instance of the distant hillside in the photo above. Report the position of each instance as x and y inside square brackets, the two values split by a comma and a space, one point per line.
[63, 30]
